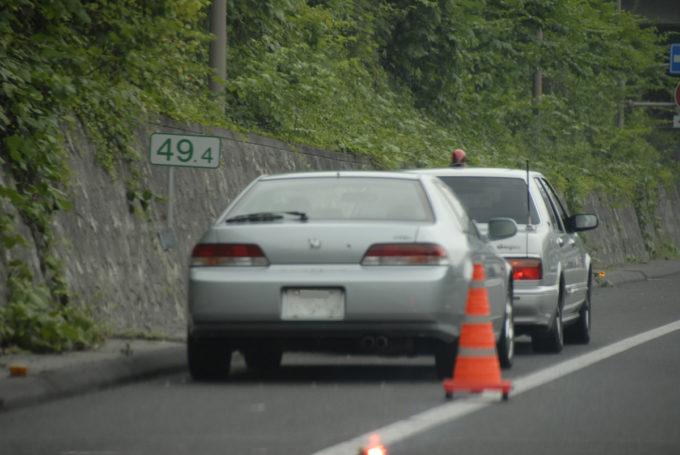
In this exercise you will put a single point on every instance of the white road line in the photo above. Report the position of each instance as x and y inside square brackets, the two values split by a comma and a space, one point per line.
[89, 452]
[418, 423]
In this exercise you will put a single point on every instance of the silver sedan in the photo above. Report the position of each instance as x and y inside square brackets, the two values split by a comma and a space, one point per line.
[552, 269]
[354, 262]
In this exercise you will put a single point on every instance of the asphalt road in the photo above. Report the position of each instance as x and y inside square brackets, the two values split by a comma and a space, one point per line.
[604, 398]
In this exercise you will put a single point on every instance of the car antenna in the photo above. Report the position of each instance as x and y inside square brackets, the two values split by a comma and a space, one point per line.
[526, 231]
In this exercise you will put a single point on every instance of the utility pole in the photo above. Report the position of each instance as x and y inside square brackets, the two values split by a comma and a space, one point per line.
[538, 75]
[218, 46]
[537, 93]
[621, 113]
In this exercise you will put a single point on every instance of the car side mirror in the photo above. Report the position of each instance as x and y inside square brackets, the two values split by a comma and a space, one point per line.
[582, 222]
[501, 228]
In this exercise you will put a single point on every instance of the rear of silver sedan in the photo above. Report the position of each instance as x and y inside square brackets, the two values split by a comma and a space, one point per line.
[551, 268]
[349, 262]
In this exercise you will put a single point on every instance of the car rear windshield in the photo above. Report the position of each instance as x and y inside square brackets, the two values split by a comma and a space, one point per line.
[343, 198]
[492, 197]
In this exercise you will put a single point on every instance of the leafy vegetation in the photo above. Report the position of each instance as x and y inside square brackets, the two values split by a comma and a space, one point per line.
[402, 81]
[32, 321]
[406, 81]
[105, 65]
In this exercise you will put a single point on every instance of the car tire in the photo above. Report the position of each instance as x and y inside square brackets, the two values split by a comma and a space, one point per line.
[506, 342]
[445, 359]
[262, 360]
[553, 339]
[579, 332]
[207, 360]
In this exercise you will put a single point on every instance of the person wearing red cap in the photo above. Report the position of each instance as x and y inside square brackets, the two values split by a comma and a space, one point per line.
[458, 158]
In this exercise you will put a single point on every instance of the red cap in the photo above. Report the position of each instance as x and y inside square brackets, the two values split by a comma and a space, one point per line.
[458, 156]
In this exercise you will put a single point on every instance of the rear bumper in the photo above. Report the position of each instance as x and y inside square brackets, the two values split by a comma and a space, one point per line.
[397, 295]
[534, 307]
[320, 330]
[400, 338]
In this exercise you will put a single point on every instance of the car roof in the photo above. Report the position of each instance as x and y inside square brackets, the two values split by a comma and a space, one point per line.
[340, 174]
[477, 172]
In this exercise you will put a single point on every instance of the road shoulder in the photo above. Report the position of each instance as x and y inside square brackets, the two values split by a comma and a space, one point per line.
[117, 361]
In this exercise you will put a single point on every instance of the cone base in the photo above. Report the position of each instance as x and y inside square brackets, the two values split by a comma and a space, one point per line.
[451, 385]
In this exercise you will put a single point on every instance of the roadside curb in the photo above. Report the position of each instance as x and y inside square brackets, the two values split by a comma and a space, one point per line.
[622, 276]
[630, 274]
[92, 375]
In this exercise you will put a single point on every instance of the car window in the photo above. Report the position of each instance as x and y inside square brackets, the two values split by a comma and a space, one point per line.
[555, 203]
[492, 197]
[562, 208]
[333, 198]
[552, 212]
[461, 216]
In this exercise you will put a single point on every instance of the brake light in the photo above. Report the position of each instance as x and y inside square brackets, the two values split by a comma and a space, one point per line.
[227, 254]
[405, 254]
[526, 269]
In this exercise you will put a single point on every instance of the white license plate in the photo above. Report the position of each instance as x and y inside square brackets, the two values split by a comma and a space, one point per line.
[313, 305]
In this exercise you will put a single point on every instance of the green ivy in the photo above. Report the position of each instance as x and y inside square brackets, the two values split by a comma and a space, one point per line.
[105, 66]
[32, 320]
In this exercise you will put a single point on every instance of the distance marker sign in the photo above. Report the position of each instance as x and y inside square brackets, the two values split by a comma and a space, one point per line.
[184, 150]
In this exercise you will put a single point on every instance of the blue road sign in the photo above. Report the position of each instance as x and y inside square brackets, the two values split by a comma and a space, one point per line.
[675, 59]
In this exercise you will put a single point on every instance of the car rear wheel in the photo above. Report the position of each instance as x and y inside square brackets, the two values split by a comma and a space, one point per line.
[580, 331]
[445, 358]
[506, 343]
[553, 339]
[207, 360]
[262, 360]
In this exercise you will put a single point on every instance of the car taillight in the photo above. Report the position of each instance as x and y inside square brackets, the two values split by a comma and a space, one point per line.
[526, 269]
[227, 254]
[405, 254]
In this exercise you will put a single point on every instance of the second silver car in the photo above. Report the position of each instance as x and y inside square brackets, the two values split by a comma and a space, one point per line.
[552, 270]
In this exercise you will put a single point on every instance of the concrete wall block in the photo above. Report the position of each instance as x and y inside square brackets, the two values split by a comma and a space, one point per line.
[619, 238]
[668, 217]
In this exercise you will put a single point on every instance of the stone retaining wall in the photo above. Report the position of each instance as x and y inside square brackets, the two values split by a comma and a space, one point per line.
[116, 263]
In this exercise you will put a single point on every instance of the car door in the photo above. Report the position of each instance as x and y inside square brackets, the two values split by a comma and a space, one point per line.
[573, 256]
[551, 245]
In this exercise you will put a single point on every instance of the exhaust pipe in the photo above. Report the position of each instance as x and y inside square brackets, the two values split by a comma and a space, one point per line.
[368, 343]
[382, 342]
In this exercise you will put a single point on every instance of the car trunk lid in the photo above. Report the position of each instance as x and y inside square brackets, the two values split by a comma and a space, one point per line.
[317, 242]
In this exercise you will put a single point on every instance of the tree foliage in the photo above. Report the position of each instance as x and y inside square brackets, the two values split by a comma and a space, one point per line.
[103, 64]
[405, 81]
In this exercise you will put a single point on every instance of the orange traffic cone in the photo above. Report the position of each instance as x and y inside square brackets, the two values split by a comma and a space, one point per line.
[477, 367]
[374, 447]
